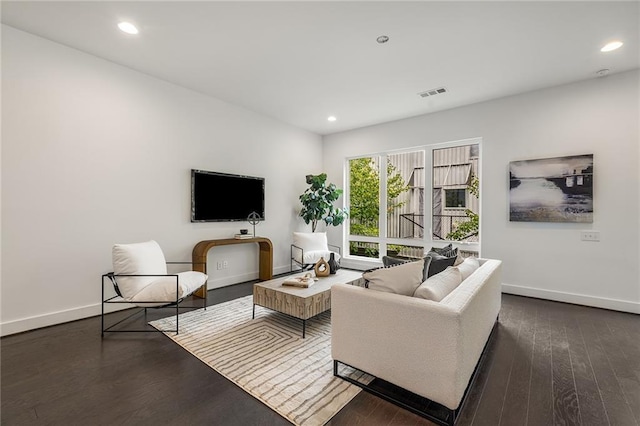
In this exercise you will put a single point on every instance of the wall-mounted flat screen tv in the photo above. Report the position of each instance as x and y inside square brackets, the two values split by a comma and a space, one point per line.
[223, 197]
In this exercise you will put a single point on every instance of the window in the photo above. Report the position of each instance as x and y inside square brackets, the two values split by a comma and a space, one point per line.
[376, 222]
[455, 198]
[456, 193]
[394, 196]
[364, 206]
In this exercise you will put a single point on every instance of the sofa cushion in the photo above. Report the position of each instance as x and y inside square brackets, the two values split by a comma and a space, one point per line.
[399, 279]
[468, 267]
[389, 261]
[438, 286]
[439, 263]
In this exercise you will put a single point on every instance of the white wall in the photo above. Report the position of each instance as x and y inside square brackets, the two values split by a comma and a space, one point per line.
[95, 154]
[546, 260]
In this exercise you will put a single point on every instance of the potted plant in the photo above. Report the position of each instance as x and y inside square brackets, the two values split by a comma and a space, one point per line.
[317, 202]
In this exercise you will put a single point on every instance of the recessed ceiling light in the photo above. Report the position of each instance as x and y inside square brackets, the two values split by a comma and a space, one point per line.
[331, 118]
[611, 46]
[382, 39]
[128, 27]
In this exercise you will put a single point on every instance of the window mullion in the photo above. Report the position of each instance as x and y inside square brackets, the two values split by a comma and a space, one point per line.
[428, 197]
[382, 214]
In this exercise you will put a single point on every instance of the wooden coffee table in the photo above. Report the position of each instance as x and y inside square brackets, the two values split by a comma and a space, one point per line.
[301, 303]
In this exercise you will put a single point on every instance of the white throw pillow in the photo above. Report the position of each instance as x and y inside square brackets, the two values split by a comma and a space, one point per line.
[137, 259]
[400, 279]
[468, 267]
[439, 285]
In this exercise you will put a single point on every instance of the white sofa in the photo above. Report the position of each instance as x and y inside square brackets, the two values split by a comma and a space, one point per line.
[429, 348]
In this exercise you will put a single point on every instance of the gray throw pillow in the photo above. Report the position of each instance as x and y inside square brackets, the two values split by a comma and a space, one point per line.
[439, 263]
[392, 261]
[441, 249]
[446, 251]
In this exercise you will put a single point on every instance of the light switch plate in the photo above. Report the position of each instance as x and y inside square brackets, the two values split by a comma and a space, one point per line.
[590, 235]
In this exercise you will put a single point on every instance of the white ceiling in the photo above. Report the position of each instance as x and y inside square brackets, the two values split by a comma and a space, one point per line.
[300, 62]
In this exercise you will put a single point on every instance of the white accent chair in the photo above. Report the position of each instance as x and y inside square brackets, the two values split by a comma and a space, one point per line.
[309, 247]
[140, 278]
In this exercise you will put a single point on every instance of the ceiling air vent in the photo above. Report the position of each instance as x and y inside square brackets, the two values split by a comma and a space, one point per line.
[432, 92]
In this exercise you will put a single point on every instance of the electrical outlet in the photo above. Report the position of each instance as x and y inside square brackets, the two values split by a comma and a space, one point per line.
[590, 235]
[219, 265]
[225, 264]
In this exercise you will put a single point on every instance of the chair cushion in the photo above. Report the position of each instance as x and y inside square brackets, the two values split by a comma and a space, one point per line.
[438, 286]
[311, 241]
[135, 259]
[163, 289]
[314, 245]
[399, 279]
[315, 255]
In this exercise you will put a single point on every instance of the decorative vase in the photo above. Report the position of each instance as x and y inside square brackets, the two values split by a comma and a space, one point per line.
[321, 268]
[333, 265]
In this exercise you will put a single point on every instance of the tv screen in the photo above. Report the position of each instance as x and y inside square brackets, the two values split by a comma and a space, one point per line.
[222, 197]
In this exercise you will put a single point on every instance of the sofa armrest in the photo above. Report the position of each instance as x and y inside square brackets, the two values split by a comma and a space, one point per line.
[404, 340]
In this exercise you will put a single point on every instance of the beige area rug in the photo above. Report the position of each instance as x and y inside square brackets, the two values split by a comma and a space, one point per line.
[268, 358]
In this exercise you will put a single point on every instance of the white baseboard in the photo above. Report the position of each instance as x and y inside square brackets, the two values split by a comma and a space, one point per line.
[38, 321]
[59, 317]
[577, 299]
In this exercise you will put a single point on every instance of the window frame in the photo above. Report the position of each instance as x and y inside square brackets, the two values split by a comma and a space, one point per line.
[464, 198]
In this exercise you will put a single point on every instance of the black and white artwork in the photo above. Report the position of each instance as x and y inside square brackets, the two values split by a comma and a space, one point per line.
[552, 189]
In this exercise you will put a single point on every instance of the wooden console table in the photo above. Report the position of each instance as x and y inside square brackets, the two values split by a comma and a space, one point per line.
[265, 268]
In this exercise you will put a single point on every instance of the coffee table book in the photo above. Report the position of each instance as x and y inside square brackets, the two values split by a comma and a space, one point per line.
[242, 236]
[303, 282]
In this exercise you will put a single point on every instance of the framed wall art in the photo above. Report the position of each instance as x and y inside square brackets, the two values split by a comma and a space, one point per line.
[556, 189]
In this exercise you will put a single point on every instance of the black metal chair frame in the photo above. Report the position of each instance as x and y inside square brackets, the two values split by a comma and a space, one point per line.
[307, 266]
[119, 299]
[451, 415]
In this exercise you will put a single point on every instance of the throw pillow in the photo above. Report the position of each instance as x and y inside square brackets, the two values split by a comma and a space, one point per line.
[446, 251]
[439, 263]
[440, 285]
[389, 261]
[401, 279]
[468, 267]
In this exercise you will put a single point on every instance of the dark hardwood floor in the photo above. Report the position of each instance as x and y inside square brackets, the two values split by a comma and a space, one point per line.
[547, 364]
